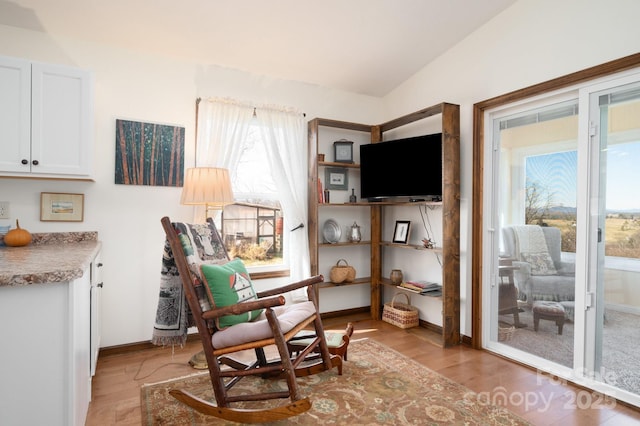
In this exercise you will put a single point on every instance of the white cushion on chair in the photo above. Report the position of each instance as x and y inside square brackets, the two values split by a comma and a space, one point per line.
[288, 315]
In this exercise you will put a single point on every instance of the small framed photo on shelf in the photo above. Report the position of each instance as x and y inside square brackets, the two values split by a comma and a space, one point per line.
[336, 178]
[401, 232]
[343, 151]
[61, 207]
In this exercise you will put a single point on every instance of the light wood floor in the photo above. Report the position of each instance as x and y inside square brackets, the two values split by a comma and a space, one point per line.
[116, 385]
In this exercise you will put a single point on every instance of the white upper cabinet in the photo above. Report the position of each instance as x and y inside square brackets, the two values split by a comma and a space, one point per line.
[15, 114]
[46, 112]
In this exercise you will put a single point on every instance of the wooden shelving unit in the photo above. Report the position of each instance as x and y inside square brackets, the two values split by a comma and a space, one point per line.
[450, 207]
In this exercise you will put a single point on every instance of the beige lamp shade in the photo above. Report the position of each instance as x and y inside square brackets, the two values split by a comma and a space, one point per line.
[209, 186]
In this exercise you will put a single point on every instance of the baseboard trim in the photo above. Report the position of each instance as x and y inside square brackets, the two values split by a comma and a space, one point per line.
[143, 346]
[137, 346]
[430, 326]
[345, 312]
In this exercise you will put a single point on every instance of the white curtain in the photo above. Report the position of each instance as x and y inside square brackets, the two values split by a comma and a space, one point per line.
[284, 136]
[222, 128]
[223, 125]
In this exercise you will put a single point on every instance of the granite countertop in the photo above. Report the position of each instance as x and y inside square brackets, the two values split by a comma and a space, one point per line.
[52, 257]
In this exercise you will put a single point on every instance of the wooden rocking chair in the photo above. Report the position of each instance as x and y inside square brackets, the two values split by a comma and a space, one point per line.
[278, 324]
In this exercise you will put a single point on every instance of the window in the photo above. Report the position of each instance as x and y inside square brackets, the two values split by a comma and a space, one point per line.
[252, 227]
[264, 149]
[539, 159]
[550, 193]
[541, 142]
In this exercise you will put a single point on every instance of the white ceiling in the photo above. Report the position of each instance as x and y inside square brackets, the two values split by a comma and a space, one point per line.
[362, 46]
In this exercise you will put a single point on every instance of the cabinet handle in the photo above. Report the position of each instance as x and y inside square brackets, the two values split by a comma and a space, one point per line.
[99, 265]
[35, 162]
[25, 161]
[100, 285]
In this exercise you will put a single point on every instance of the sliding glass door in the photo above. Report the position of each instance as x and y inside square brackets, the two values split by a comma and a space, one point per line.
[535, 148]
[562, 235]
[612, 300]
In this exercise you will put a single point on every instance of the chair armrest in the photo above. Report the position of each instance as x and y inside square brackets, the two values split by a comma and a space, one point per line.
[240, 308]
[524, 268]
[567, 268]
[522, 274]
[290, 287]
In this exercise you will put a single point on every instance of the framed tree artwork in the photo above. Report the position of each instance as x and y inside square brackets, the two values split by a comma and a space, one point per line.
[149, 154]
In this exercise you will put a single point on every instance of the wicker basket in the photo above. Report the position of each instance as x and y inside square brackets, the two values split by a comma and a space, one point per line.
[401, 315]
[342, 273]
[505, 331]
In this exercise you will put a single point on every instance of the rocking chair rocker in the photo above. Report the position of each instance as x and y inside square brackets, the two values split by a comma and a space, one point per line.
[277, 325]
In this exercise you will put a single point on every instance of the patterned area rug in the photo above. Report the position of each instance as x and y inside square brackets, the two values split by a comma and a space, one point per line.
[378, 386]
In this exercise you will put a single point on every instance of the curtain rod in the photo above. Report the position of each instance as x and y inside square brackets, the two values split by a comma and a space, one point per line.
[255, 108]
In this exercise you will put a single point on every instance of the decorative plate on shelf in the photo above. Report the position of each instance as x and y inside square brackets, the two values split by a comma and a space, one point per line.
[331, 231]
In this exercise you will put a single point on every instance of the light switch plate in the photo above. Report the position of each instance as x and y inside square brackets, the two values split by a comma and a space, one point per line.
[4, 210]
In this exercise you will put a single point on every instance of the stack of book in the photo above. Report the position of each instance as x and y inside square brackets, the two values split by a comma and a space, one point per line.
[426, 288]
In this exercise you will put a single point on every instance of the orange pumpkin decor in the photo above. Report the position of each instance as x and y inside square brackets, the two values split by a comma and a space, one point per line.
[17, 237]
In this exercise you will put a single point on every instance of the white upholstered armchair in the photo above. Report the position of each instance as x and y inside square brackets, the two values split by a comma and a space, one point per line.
[542, 275]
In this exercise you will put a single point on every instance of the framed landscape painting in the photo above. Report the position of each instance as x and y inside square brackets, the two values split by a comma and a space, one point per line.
[61, 207]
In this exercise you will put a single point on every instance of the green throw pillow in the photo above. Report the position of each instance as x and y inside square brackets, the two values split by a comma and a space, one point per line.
[230, 284]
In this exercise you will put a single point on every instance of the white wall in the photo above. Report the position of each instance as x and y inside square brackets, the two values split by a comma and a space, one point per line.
[145, 88]
[531, 42]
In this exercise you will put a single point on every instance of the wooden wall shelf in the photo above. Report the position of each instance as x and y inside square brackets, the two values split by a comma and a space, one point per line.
[343, 244]
[450, 204]
[363, 280]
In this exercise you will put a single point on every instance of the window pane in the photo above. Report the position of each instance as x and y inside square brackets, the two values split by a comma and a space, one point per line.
[551, 194]
[252, 179]
[623, 200]
[252, 226]
[537, 183]
[253, 233]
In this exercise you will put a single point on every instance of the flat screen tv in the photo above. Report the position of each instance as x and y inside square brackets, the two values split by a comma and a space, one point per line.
[409, 167]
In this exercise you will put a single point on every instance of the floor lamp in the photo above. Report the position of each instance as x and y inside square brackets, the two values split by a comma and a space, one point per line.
[209, 187]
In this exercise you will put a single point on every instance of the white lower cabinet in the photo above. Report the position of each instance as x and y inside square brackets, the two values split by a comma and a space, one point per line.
[46, 357]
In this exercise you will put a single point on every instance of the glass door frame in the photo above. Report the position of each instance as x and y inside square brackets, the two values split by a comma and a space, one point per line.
[479, 240]
[494, 206]
[593, 372]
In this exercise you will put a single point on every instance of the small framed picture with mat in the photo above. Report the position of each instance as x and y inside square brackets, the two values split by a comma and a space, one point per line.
[336, 178]
[401, 232]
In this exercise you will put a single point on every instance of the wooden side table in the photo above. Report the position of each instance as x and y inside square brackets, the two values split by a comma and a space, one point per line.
[508, 292]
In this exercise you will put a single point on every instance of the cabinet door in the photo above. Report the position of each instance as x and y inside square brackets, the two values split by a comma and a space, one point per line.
[96, 289]
[61, 124]
[79, 348]
[15, 114]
